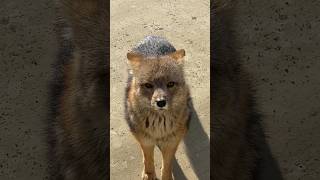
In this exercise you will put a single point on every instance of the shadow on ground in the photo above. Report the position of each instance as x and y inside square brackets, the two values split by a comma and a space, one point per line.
[268, 168]
[197, 146]
[198, 141]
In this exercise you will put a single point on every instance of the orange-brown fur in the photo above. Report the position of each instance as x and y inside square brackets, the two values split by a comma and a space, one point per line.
[77, 130]
[150, 126]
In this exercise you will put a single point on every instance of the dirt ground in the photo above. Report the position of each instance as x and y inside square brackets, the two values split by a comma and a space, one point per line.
[280, 46]
[27, 48]
[186, 25]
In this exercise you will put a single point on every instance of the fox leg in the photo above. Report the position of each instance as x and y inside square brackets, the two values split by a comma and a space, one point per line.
[168, 151]
[149, 172]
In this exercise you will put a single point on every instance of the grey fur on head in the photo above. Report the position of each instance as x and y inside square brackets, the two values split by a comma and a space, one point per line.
[154, 46]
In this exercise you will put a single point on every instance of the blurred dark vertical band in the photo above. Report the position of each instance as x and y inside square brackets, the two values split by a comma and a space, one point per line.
[211, 83]
[107, 5]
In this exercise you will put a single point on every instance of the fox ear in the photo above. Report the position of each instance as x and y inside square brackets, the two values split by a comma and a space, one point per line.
[134, 58]
[178, 55]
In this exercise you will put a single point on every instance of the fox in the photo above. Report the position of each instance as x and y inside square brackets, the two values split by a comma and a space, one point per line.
[77, 131]
[239, 150]
[235, 121]
[156, 101]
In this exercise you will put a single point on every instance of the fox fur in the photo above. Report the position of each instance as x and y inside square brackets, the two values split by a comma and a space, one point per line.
[77, 127]
[156, 63]
[236, 130]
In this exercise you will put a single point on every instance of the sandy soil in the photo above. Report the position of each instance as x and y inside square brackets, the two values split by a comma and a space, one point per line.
[186, 25]
[27, 48]
[280, 45]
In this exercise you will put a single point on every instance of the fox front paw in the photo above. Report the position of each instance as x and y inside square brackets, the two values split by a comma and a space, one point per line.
[149, 176]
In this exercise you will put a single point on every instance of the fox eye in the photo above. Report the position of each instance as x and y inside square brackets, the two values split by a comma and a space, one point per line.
[148, 85]
[170, 84]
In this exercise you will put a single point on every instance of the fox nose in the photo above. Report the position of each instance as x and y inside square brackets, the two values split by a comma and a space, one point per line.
[161, 103]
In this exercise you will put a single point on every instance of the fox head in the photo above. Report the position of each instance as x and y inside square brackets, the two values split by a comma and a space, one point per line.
[158, 82]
